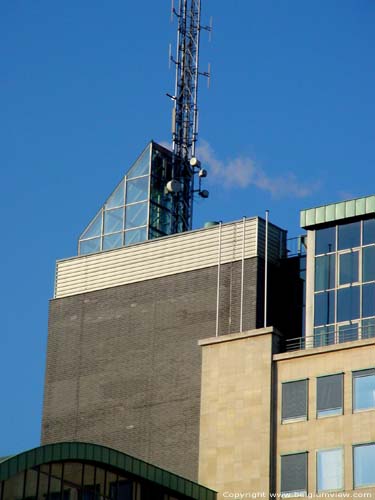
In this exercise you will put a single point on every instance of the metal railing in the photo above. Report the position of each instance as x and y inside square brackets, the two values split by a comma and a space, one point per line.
[296, 246]
[330, 337]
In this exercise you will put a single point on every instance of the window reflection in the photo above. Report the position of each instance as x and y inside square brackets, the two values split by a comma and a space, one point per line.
[368, 231]
[324, 308]
[348, 268]
[368, 257]
[347, 303]
[324, 272]
[325, 240]
[349, 235]
[364, 465]
[368, 300]
[364, 390]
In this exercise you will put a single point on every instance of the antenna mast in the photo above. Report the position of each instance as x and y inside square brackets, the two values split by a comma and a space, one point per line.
[185, 112]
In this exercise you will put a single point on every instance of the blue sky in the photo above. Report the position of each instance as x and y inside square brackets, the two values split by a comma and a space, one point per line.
[288, 123]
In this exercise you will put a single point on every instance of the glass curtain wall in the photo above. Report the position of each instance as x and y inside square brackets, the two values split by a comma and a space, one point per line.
[344, 295]
[78, 481]
[140, 208]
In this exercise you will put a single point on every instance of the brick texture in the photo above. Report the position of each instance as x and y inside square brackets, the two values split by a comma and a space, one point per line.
[123, 364]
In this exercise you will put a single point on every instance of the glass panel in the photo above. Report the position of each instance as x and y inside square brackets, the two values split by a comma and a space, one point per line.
[113, 241]
[95, 227]
[349, 235]
[110, 480]
[123, 490]
[330, 470]
[348, 268]
[324, 272]
[90, 490]
[348, 333]
[136, 215]
[137, 190]
[368, 231]
[89, 246]
[368, 328]
[325, 240]
[368, 256]
[324, 310]
[113, 220]
[364, 465]
[73, 473]
[324, 335]
[31, 482]
[364, 392]
[135, 236]
[368, 300]
[117, 198]
[43, 482]
[13, 487]
[100, 480]
[348, 303]
[141, 166]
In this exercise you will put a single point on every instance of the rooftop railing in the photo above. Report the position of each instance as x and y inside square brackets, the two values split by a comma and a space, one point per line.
[296, 246]
[330, 337]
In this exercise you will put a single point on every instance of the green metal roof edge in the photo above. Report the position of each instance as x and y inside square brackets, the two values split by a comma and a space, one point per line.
[337, 211]
[106, 456]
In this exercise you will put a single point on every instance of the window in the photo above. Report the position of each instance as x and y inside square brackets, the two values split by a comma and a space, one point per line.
[325, 272]
[364, 465]
[122, 490]
[368, 300]
[324, 311]
[325, 240]
[330, 470]
[368, 257]
[348, 268]
[368, 328]
[294, 474]
[329, 395]
[344, 282]
[294, 400]
[368, 231]
[364, 390]
[349, 235]
[348, 303]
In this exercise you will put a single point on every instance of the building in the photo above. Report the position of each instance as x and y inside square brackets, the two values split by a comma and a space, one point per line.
[161, 350]
[309, 407]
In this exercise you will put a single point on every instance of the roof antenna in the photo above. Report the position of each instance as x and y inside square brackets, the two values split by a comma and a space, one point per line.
[185, 109]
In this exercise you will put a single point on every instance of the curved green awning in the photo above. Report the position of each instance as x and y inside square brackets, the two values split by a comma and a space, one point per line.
[10, 466]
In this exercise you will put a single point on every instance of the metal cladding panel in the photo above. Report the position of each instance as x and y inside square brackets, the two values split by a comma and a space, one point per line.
[276, 241]
[166, 256]
[337, 211]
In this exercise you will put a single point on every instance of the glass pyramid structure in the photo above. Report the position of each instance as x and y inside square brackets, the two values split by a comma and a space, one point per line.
[139, 209]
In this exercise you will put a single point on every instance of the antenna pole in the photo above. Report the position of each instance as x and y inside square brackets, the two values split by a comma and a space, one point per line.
[185, 110]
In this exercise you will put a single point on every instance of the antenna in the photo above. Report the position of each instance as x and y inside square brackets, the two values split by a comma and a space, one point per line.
[185, 111]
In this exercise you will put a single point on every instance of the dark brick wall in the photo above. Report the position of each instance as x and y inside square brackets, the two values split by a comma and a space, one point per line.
[124, 367]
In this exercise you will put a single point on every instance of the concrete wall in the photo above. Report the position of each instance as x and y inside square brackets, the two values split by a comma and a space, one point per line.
[236, 413]
[329, 432]
[124, 366]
